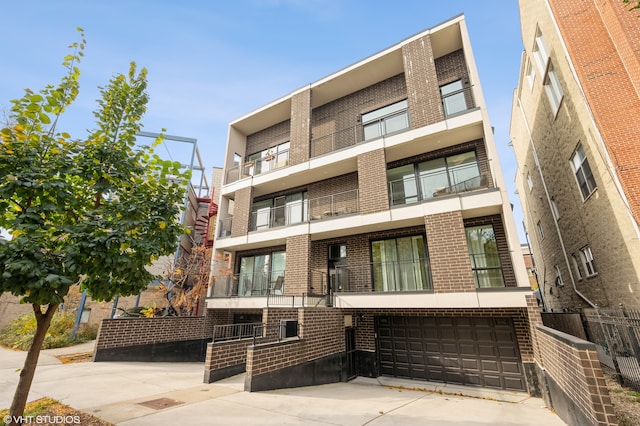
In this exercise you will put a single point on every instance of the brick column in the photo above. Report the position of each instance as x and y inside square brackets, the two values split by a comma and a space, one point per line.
[300, 127]
[298, 256]
[448, 253]
[425, 106]
[241, 212]
[372, 182]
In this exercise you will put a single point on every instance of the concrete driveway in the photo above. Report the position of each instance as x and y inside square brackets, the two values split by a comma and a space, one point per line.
[133, 393]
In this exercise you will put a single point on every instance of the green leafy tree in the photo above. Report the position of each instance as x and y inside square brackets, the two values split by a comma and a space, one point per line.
[93, 211]
[635, 4]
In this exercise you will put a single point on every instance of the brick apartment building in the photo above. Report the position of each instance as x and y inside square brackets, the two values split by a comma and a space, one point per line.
[575, 133]
[365, 229]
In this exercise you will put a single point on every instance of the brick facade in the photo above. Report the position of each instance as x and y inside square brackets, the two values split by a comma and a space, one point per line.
[448, 253]
[591, 31]
[576, 376]
[300, 127]
[372, 179]
[425, 105]
[269, 137]
[341, 118]
[115, 333]
[298, 254]
[242, 212]
[321, 334]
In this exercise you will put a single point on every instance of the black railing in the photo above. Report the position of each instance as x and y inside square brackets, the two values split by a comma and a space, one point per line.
[249, 284]
[223, 333]
[383, 277]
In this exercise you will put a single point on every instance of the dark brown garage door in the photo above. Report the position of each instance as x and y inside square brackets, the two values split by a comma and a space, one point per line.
[470, 351]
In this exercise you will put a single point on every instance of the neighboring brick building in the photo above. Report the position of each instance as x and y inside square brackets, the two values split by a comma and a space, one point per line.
[370, 208]
[575, 133]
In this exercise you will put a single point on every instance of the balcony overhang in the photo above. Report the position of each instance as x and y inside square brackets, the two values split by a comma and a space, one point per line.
[496, 298]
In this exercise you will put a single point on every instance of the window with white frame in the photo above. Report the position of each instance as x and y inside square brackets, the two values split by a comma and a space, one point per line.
[553, 88]
[559, 281]
[576, 266]
[587, 261]
[530, 74]
[540, 52]
[555, 210]
[582, 171]
[540, 230]
[529, 181]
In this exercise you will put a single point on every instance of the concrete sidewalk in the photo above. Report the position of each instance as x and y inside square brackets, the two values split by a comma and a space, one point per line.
[132, 393]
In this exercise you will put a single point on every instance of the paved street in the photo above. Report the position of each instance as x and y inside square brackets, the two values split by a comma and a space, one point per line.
[133, 393]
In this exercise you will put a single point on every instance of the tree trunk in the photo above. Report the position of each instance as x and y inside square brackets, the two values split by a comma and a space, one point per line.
[43, 321]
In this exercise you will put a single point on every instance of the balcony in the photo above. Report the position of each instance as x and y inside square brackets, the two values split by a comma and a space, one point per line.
[403, 276]
[437, 182]
[320, 208]
[249, 284]
[257, 167]
[379, 123]
[224, 227]
[456, 99]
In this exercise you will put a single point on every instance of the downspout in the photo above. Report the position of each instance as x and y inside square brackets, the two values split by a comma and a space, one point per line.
[546, 193]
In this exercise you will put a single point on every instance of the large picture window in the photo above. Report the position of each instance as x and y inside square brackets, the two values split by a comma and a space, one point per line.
[259, 274]
[453, 98]
[485, 259]
[400, 264]
[279, 211]
[387, 120]
[415, 182]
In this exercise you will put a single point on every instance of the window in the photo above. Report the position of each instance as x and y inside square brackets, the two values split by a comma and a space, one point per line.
[258, 274]
[583, 173]
[453, 98]
[530, 73]
[279, 211]
[485, 259]
[576, 266]
[387, 120]
[400, 264]
[553, 88]
[555, 210]
[559, 282]
[587, 261]
[529, 181]
[540, 52]
[540, 230]
[446, 175]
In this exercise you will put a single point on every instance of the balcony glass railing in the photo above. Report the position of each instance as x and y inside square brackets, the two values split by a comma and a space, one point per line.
[321, 208]
[224, 227]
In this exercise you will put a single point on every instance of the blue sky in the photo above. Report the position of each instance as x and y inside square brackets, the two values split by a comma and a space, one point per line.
[210, 62]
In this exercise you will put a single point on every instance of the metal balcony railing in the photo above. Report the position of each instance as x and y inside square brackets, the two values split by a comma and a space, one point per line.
[383, 277]
[410, 189]
[249, 284]
[458, 102]
[320, 208]
[337, 140]
[256, 167]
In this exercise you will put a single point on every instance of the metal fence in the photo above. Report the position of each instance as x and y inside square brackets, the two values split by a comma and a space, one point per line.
[616, 333]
